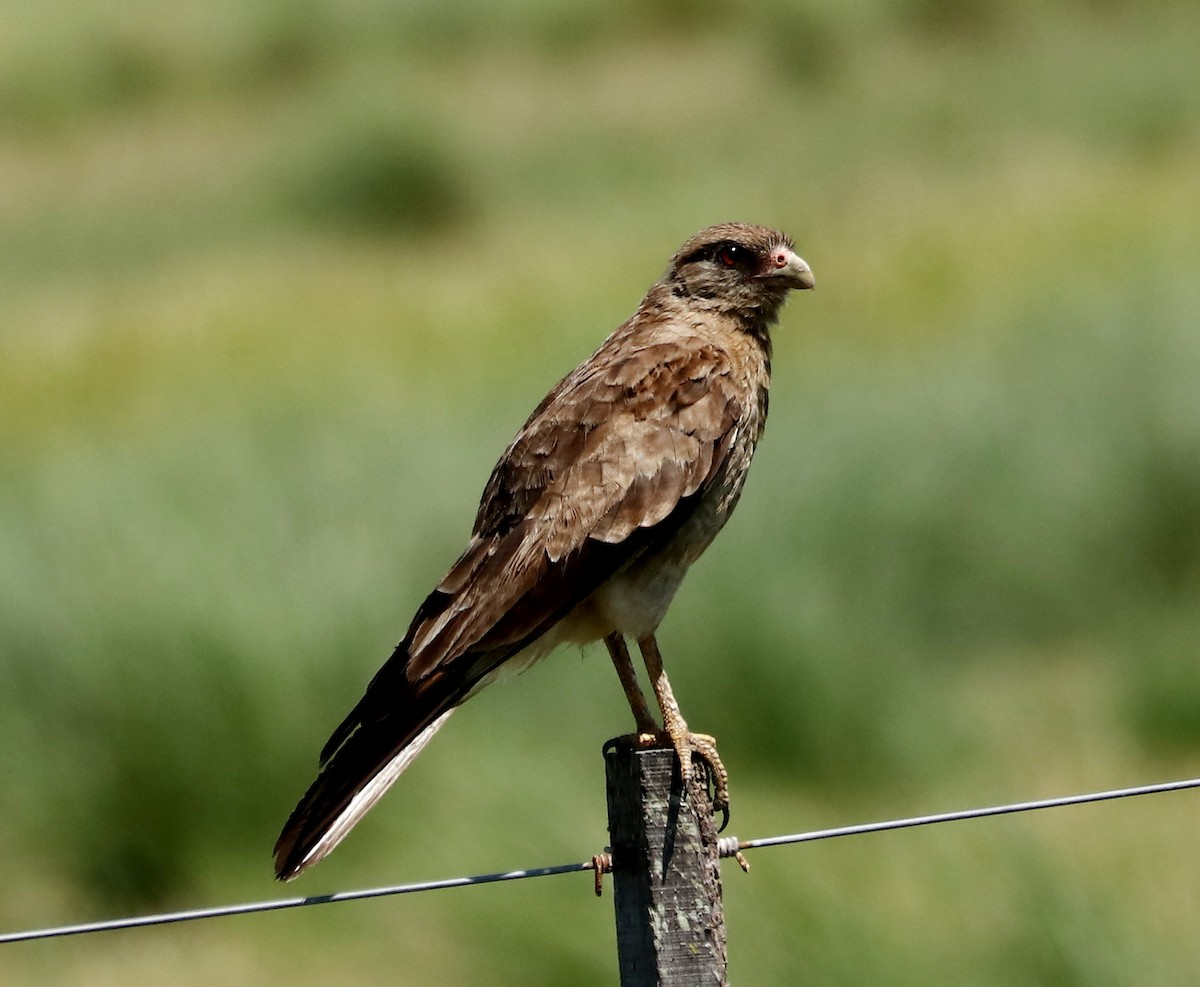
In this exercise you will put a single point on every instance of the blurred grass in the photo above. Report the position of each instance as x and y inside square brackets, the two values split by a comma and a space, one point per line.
[276, 286]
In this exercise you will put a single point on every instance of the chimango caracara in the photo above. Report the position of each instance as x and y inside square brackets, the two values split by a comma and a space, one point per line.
[616, 484]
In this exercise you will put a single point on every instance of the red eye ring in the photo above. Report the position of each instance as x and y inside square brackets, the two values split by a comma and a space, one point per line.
[728, 256]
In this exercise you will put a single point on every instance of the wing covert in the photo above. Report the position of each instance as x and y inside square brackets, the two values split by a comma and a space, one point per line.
[613, 452]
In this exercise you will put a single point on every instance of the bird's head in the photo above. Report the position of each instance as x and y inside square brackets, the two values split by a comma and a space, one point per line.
[738, 269]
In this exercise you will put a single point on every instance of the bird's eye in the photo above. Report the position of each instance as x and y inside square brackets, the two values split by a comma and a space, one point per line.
[730, 255]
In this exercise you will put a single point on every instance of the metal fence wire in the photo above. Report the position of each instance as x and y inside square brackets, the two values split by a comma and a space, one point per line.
[728, 846]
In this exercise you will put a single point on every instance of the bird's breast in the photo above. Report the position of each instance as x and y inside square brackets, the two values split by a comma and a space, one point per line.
[635, 600]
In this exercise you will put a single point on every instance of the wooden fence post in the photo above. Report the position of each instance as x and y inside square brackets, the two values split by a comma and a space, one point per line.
[666, 872]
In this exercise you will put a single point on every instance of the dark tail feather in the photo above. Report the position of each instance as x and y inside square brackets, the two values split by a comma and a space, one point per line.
[364, 767]
[390, 726]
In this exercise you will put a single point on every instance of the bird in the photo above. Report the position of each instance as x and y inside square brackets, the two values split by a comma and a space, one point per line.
[617, 482]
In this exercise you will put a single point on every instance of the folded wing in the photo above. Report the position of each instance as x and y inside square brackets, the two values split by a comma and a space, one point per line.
[607, 467]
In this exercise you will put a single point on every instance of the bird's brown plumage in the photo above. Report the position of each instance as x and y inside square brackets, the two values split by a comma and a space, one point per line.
[616, 483]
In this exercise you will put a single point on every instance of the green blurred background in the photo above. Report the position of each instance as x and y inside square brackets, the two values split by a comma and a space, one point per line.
[278, 281]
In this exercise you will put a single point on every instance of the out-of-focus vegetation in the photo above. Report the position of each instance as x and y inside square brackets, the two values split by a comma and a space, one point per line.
[277, 283]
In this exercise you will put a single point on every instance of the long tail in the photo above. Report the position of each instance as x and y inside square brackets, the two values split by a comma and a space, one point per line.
[353, 780]
[449, 652]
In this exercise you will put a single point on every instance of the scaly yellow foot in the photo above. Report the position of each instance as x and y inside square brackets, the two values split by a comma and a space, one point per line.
[688, 745]
[691, 746]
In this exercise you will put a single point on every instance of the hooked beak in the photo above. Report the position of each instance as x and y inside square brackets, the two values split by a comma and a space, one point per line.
[790, 268]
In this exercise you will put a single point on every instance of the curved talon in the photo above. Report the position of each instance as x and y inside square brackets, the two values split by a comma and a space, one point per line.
[689, 749]
[687, 745]
[724, 810]
[716, 782]
[700, 746]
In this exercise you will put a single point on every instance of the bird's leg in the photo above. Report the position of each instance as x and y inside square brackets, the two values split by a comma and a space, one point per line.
[646, 727]
[685, 742]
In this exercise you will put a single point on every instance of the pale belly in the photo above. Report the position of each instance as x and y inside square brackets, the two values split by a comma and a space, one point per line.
[632, 603]
[635, 601]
